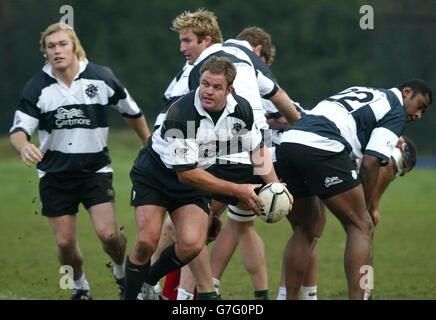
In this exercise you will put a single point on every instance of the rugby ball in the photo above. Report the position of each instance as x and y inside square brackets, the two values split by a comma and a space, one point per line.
[277, 202]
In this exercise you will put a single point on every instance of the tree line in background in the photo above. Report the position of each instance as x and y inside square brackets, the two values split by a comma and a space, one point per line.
[321, 48]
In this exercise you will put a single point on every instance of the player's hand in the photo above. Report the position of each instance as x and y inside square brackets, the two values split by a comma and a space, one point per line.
[247, 195]
[31, 155]
[375, 216]
[401, 143]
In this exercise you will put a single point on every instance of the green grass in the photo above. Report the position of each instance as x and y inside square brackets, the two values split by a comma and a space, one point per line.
[404, 241]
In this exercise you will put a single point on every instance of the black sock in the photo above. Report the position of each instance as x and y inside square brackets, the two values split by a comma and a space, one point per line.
[261, 295]
[208, 296]
[135, 277]
[167, 262]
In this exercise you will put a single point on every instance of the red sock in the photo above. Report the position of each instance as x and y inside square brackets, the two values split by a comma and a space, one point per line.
[171, 284]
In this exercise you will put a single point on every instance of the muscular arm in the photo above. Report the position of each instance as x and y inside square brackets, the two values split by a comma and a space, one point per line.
[140, 126]
[369, 172]
[385, 177]
[30, 154]
[285, 106]
[203, 180]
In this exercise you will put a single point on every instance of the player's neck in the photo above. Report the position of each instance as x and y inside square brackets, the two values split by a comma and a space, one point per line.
[67, 74]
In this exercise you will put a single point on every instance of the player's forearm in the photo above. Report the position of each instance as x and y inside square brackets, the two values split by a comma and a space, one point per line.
[285, 106]
[203, 180]
[369, 172]
[141, 128]
[384, 179]
[263, 165]
[18, 140]
[29, 153]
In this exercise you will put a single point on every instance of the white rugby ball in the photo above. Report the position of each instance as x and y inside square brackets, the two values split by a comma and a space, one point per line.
[277, 202]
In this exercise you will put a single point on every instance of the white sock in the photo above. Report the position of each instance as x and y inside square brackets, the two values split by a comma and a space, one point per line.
[367, 295]
[309, 293]
[157, 288]
[81, 283]
[183, 294]
[281, 295]
[216, 285]
[118, 270]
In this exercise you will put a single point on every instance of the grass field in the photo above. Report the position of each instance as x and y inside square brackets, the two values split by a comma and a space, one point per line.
[405, 254]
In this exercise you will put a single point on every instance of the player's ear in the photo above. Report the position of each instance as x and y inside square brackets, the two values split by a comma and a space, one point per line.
[229, 89]
[401, 143]
[407, 92]
[257, 49]
[207, 40]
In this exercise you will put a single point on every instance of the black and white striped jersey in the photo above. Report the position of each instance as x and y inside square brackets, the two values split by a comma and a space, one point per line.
[362, 120]
[272, 112]
[266, 81]
[189, 138]
[72, 121]
[179, 81]
[245, 82]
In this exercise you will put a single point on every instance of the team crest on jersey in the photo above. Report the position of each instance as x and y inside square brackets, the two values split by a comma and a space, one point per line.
[207, 150]
[237, 126]
[91, 91]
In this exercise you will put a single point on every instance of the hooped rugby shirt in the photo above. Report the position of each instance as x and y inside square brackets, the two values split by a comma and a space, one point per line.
[72, 121]
[362, 120]
[189, 138]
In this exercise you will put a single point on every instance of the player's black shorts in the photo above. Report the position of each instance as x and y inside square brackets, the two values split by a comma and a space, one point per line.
[309, 171]
[154, 184]
[237, 173]
[61, 193]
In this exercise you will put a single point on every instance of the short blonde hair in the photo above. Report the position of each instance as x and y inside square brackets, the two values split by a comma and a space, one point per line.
[257, 36]
[78, 49]
[202, 22]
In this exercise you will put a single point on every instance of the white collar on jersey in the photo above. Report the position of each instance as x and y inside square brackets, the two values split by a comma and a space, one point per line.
[48, 68]
[398, 94]
[230, 106]
[244, 43]
[208, 51]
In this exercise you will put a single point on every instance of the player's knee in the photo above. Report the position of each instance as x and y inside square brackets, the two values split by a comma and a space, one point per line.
[190, 248]
[111, 241]
[147, 242]
[66, 244]
[108, 237]
[369, 226]
[310, 229]
[315, 231]
[365, 225]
